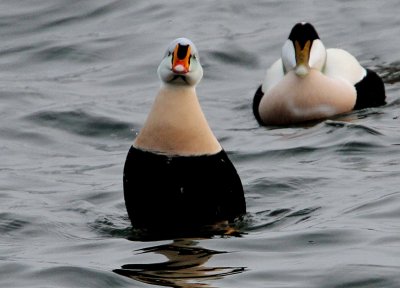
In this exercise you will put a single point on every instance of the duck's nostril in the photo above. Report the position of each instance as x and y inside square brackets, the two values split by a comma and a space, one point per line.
[182, 51]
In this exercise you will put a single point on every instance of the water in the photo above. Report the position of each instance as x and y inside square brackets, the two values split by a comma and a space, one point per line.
[77, 79]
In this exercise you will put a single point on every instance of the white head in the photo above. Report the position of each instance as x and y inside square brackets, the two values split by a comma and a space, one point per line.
[303, 50]
[181, 64]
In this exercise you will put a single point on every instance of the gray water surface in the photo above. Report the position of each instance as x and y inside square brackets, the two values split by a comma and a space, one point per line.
[77, 79]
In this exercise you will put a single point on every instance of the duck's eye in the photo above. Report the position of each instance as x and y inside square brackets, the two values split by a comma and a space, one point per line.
[169, 53]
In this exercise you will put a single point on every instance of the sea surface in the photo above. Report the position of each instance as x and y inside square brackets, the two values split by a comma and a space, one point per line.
[77, 79]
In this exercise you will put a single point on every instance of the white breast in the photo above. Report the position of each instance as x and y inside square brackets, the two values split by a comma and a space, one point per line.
[295, 99]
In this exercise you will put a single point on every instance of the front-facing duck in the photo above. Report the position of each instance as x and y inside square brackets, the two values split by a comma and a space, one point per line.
[176, 174]
[310, 82]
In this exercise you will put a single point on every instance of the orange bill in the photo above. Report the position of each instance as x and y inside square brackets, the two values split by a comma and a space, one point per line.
[302, 55]
[181, 59]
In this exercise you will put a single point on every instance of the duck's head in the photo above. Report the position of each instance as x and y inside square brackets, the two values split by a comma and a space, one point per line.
[303, 50]
[181, 64]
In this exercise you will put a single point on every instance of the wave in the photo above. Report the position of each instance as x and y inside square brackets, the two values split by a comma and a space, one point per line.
[82, 123]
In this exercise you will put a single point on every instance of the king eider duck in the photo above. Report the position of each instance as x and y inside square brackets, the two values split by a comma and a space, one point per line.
[176, 174]
[310, 82]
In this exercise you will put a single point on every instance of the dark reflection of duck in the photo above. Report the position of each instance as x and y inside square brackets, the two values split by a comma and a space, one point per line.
[185, 266]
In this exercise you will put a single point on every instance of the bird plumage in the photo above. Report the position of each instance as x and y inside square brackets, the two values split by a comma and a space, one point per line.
[310, 82]
[177, 176]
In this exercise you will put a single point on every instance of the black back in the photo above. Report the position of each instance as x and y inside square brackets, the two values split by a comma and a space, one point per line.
[256, 102]
[370, 91]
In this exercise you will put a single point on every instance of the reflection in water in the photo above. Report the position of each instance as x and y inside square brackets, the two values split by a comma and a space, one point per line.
[185, 266]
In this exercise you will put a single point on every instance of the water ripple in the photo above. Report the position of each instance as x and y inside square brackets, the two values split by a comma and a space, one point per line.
[75, 276]
[82, 16]
[352, 126]
[10, 223]
[390, 73]
[362, 276]
[66, 52]
[280, 217]
[82, 123]
[234, 57]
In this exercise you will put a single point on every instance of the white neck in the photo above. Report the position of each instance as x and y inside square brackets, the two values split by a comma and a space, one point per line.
[176, 124]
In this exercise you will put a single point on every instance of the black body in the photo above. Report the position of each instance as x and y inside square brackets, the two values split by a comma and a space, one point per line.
[256, 103]
[370, 91]
[165, 193]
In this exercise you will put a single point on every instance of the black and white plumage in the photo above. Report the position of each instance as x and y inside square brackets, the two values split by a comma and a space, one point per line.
[310, 82]
[176, 174]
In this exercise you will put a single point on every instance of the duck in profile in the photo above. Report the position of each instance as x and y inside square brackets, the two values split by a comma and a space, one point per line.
[176, 174]
[310, 82]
